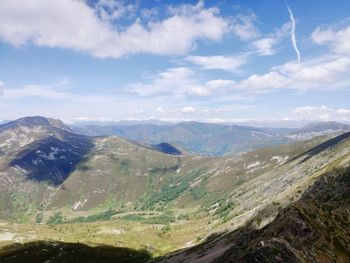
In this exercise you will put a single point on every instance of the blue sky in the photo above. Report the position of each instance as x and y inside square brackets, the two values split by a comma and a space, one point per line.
[214, 61]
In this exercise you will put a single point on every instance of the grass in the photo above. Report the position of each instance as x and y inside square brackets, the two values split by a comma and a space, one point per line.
[159, 219]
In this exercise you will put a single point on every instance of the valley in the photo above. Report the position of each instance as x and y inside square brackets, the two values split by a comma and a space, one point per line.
[60, 186]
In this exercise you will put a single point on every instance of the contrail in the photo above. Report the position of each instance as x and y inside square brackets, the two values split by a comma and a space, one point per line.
[292, 34]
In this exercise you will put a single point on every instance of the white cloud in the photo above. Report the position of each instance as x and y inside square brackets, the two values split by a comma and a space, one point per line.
[338, 40]
[319, 113]
[343, 114]
[265, 46]
[75, 25]
[55, 93]
[188, 109]
[160, 109]
[211, 87]
[36, 91]
[269, 81]
[170, 81]
[180, 81]
[230, 63]
[324, 73]
[330, 73]
[110, 10]
[243, 27]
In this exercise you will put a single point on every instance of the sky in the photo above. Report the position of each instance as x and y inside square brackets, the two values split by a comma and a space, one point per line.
[210, 61]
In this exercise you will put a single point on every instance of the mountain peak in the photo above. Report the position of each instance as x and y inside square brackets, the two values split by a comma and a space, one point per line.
[34, 121]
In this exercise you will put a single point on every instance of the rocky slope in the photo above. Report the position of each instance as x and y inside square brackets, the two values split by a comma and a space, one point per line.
[317, 129]
[312, 229]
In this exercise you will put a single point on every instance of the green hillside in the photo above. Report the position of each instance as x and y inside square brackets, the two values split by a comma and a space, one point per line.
[107, 190]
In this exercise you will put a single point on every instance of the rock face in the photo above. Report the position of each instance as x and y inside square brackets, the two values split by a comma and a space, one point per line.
[314, 229]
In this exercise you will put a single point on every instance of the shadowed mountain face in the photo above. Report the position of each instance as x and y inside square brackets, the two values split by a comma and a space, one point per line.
[51, 160]
[44, 149]
[166, 148]
[57, 252]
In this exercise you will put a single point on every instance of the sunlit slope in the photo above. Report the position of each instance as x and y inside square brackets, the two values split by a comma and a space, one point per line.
[312, 229]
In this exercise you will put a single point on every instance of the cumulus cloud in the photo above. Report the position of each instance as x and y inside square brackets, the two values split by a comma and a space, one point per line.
[325, 73]
[188, 109]
[319, 113]
[77, 26]
[110, 10]
[267, 46]
[230, 63]
[244, 28]
[180, 81]
[160, 109]
[268, 81]
[211, 87]
[337, 40]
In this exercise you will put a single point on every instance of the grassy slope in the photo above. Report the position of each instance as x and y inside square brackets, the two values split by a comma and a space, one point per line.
[211, 194]
[312, 229]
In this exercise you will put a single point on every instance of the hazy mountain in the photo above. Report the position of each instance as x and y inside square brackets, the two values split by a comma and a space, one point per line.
[200, 138]
[317, 129]
[213, 139]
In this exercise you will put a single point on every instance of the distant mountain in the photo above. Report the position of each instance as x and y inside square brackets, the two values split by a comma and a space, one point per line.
[316, 129]
[200, 138]
[36, 121]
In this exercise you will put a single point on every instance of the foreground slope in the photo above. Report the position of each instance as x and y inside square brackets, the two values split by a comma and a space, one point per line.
[312, 229]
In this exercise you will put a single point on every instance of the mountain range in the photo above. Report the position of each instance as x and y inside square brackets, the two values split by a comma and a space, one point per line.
[273, 203]
[211, 139]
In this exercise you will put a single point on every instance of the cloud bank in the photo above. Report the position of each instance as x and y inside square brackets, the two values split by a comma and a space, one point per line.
[75, 25]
